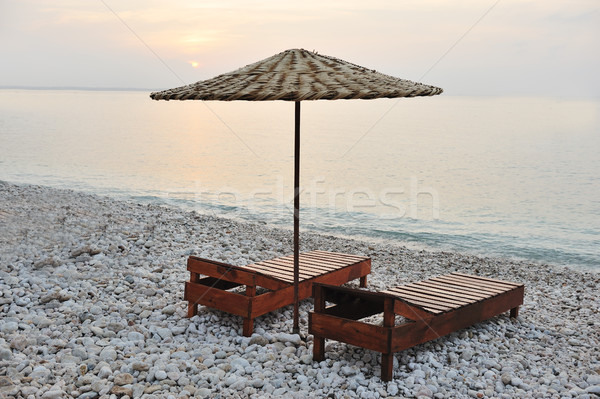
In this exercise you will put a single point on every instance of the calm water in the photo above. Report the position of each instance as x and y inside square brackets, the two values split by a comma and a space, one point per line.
[515, 177]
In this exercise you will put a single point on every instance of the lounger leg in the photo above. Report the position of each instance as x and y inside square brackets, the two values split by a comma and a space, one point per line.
[387, 359]
[318, 342]
[249, 321]
[387, 366]
[318, 349]
[363, 281]
[248, 326]
[514, 312]
[193, 307]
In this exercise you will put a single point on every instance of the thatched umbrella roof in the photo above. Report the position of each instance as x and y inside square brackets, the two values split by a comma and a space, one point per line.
[298, 75]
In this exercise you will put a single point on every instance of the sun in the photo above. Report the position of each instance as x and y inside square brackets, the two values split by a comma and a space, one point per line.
[194, 64]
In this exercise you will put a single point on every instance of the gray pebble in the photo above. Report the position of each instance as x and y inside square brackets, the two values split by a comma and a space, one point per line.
[466, 354]
[9, 327]
[5, 353]
[169, 310]
[160, 375]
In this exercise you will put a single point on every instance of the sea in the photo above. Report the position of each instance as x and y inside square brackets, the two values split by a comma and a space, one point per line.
[512, 177]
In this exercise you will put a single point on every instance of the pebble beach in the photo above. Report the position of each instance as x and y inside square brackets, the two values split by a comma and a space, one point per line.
[91, 306]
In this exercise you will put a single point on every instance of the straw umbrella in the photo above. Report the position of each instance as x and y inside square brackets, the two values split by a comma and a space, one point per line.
[298, 75]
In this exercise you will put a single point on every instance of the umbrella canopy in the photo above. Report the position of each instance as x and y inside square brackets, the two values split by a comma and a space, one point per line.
[298, 75]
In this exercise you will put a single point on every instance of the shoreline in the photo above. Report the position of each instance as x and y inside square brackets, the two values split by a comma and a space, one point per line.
[94, 283]
[366, 240]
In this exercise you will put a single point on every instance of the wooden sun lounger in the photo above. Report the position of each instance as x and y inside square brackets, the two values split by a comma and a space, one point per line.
[275, 275]
[434, 308]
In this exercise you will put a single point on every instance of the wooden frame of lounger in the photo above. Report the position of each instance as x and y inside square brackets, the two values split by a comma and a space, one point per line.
[434, 308]
[275, 275]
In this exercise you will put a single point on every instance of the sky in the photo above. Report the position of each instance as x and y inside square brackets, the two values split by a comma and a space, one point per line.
[470, 47]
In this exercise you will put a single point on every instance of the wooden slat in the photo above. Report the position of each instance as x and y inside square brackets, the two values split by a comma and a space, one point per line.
[330, 266]
[357, 258]
[325, 265]
[220, 270]
[304, 263]
[332, 262]
[237, 274]
[489, 279]
[321, 269]
[264, 268]
[353, 332]
[342, 276]
[330, 253]
[439, 288]
[271, 283]
[328, 260]
[423, 304]
[306, 266]
[465, 292]
[307, 271]
[483, 283]
[477, 283]
[442, 295]
[423, 308]
[428, 301]
[440, 298]
[412, 312]
[270, 301]
[460, 281]
[214, 298]
[465, 283]
[276, 274]
[278, 269]
[463, 286]
[285, 267]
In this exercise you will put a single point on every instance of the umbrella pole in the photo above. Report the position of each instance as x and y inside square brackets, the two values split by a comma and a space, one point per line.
[296, 329]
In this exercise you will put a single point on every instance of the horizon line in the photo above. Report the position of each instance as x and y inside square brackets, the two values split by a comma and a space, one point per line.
[80, 88]
[91, 88]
